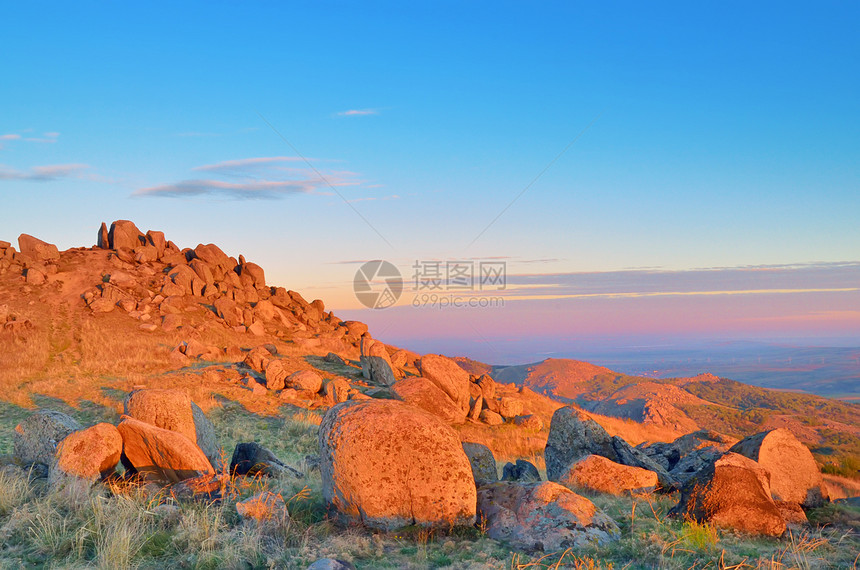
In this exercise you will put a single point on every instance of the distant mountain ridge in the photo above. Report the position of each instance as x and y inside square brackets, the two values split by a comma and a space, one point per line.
[830, 427]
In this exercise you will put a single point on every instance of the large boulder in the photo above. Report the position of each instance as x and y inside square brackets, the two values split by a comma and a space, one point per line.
[37, 249]
[124, 233]
[448, 375]
[89, 454]
[376, 364]
[35, 439]
[483, 463]
[794, 475]
[422, 393]
[543, 516]
[734, 492]
[388, 465]
[172, 409]
[160, 455]
[306, 380]
[573, 436]
[600, 474]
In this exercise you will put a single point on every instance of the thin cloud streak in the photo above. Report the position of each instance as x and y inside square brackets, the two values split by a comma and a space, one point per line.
[44, 173]
[246, 163]
[358, 113]
[255, 178]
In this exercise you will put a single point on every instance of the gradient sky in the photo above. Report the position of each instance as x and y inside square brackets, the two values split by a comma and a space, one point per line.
[710, 135]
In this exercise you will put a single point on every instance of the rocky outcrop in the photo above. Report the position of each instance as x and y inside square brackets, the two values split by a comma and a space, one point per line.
[388, 465]
[573, 436]
[36, 438]
[733, 492]
[448, 376]
[160, 455]
[597, 473]
[794, 475]
[173, 410]
[422, 393]
[543, 516]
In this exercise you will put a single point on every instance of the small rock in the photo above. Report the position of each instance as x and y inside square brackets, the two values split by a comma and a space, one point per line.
[264, 506]
[522, 471]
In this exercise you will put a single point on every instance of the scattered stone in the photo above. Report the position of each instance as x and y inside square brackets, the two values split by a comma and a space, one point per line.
[543, 516]
[253, 459]
[88, 454]
[733, 493]
[388, 465]
[530, 422]
[510, 407]
[331, 564]
[263, 506]
[337, 390]
[491, 418]
[483, 463]
[422, 393]
[794, 475]
[597, 473]
[522, 471]
[335, 358]
[160, 455]
[36, 438]
[276, 375]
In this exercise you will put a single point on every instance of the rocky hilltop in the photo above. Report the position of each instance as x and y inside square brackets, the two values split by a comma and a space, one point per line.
[138, 367]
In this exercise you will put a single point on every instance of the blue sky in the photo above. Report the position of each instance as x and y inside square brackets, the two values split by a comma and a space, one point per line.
[722, 134]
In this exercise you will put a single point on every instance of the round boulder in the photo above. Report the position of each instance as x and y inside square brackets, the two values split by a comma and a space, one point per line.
[733, 492]
[389, 465]
[35, 439]
[305, 380]
[89, 454]
[794, 475]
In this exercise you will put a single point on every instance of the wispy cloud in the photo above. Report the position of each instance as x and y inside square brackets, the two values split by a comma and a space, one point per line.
[245, 164]
[772, 279]
[49, 138]
[44, 173]
[373, 198]
[252, 178]
[357, 113]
